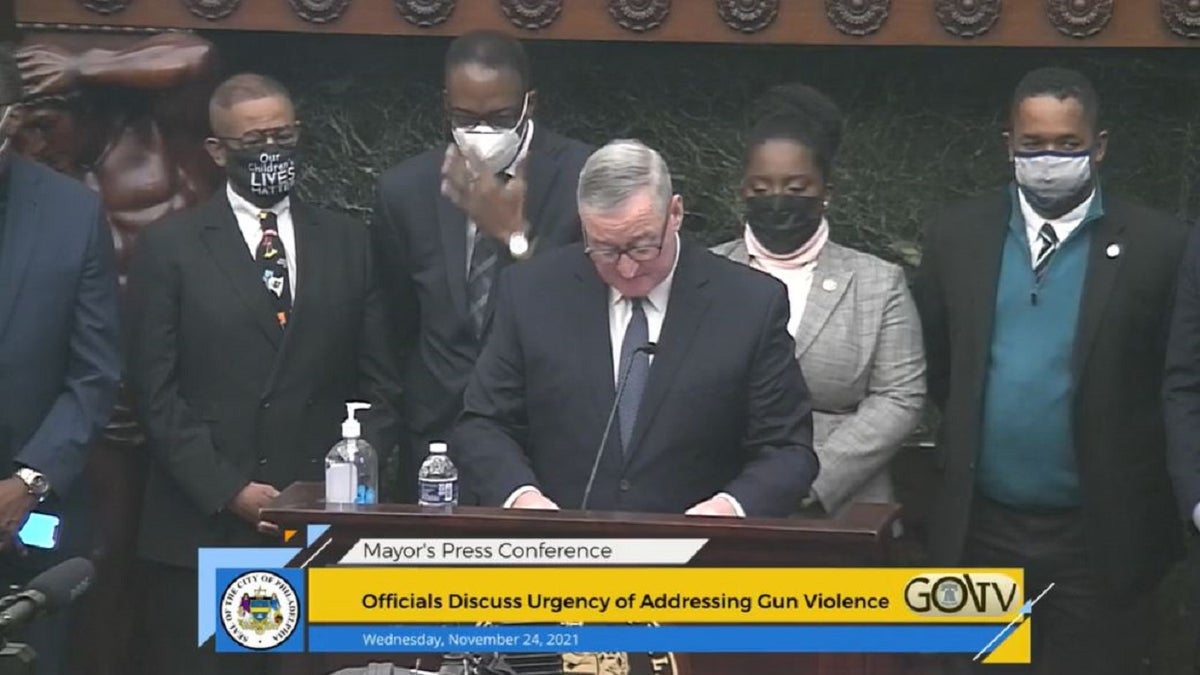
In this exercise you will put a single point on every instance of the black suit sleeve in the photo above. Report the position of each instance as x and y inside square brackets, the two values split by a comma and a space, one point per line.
[931, 305]
[379, 380]
[1181, 396]
[179, 440]
[780, 463]
[488, 442]
[389, 242]
[58, 448]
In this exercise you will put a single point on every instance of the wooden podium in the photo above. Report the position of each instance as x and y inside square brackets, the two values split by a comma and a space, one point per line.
[859, 538]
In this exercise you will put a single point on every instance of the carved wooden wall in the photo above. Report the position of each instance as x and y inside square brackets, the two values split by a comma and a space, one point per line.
[1134, 23]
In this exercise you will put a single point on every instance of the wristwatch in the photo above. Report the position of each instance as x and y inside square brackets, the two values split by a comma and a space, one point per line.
[518, 245]
[34, 481]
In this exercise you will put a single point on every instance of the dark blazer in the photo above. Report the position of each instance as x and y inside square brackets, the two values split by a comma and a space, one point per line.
[1120, 342]
[227, 396]
[421, 243]
[59, 335]
[725, 408]
[1181, 399]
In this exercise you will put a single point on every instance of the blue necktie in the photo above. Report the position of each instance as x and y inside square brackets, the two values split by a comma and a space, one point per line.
[637, 334]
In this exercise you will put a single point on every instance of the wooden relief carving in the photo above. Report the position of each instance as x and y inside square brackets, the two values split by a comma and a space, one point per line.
[105, 6]
[639, 16]
[531, 14]
[319, 11]
[1182, 17]
[967, 18]
[425, 13]
[1079, 18]
[857, 17]
[748, 16]
[211, 9]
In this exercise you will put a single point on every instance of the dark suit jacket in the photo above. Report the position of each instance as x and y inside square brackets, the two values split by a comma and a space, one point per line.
[1119, 350]
[725, 407]
[59, 336]
[421, 242]
[226, 396]
[1181, 384]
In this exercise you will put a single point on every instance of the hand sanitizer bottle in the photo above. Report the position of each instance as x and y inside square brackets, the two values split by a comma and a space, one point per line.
[352, 467]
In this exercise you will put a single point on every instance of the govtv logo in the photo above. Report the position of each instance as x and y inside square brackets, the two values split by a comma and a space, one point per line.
[963, 594]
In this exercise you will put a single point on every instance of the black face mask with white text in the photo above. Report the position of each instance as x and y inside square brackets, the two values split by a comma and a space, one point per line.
[264, 175]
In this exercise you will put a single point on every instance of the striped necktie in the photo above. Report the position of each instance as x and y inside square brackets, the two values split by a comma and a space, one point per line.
[1049, 244]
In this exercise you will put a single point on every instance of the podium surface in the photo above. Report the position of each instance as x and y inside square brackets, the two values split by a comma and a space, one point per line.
[860, 537]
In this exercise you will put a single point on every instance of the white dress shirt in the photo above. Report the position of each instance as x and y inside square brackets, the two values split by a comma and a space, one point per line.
[620, 309]
[1063, 226]
[246, 215]
[511, 171]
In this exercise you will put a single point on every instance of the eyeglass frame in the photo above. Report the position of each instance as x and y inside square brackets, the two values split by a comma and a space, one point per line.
[269, 138]
[612, 255]
[496, 120]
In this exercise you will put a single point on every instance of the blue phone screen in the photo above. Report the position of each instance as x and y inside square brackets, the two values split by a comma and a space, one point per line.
[40, 530]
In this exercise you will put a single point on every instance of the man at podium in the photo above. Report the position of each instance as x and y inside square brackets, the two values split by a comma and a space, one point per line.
[634, 372]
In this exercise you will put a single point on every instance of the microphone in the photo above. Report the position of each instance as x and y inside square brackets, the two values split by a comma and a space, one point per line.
[48, 592]
[648, 348]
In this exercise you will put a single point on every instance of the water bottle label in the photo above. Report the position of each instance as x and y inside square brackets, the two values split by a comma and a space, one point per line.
[438, 492]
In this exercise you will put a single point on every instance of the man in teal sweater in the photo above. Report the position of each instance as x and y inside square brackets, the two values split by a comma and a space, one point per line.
[1043, 306]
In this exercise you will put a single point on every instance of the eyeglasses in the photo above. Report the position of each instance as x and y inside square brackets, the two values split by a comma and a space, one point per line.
[639, 253]
[507, 118]
[285, 136]
[609, 255]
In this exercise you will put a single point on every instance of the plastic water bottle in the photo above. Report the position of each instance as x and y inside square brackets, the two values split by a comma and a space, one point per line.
[352, 466]
[437, 481]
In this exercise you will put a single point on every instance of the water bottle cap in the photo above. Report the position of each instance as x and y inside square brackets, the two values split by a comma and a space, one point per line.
[437, 448]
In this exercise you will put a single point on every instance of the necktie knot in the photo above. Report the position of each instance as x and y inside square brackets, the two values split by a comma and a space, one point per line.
[268, 221]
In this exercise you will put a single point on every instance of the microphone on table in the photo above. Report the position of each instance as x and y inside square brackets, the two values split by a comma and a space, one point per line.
[48, 592]
[648, 348]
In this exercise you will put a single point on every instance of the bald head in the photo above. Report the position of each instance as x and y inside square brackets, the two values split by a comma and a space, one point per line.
[242, 92]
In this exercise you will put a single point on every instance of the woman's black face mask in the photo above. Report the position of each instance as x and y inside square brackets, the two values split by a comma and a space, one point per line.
[782, 223]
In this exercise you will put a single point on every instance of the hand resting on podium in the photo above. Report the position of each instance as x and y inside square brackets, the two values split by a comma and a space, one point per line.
[529, 497]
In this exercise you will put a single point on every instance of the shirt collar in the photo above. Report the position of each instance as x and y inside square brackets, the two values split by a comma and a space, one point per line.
[242, 206]
[1024, 216]
[657, 297]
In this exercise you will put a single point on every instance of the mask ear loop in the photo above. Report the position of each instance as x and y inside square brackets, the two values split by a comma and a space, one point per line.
[4, 145]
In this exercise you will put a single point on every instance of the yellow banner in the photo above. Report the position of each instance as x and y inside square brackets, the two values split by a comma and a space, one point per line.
[662, 595]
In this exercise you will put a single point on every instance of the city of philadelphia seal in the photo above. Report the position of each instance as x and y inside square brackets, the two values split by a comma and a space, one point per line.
[259, 610]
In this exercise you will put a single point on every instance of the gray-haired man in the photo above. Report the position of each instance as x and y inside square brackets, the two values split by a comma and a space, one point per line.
[714, 417]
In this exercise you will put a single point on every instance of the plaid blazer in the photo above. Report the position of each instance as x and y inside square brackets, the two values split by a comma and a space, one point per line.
[859, 346]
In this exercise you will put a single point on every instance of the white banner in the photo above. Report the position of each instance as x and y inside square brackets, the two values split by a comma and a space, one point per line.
[522, 551]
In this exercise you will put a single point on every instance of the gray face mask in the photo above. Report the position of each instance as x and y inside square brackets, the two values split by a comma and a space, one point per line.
[1054, 182]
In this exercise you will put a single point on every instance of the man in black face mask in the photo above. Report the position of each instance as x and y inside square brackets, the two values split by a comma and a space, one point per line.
[255, 318]
[1043, 306]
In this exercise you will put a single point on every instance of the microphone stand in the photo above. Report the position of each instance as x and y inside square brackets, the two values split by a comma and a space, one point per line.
[648, 348]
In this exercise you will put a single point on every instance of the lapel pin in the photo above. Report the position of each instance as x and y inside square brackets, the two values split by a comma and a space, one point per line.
[1113, 250]
[829, 285]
